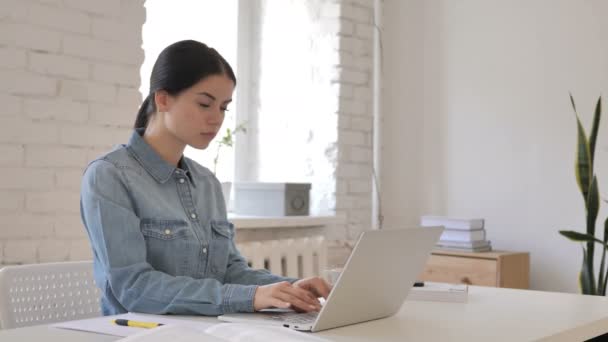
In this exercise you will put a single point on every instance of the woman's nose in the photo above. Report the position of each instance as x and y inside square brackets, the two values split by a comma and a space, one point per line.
[216, 118]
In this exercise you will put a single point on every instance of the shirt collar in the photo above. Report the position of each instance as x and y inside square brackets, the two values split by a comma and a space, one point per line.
[151, 161]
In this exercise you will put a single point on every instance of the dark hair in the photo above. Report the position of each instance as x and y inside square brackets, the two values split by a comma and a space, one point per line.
[178, 67]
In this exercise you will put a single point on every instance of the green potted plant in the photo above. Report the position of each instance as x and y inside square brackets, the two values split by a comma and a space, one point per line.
[588, 185]
[227, 140]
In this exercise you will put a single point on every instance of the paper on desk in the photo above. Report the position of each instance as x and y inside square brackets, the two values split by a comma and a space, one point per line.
[224, 332]
[440, 292]
[173, 333]
[104, 325]
[245, 332]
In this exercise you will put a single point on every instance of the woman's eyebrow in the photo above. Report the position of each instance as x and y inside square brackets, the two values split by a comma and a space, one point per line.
[212, 97]
[207, 94]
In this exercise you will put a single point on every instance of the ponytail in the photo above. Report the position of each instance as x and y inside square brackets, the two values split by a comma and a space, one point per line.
[144, 113]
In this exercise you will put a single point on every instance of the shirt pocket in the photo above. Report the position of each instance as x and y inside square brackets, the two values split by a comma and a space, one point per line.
[220, 248]
[170, 245]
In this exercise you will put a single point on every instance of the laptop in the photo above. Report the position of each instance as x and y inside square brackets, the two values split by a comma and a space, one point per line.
[377, 278]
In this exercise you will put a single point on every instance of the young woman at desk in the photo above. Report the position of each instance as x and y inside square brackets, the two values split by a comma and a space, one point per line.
[157, 220]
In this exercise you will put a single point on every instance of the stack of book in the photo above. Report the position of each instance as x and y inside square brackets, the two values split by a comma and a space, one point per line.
[460, 234]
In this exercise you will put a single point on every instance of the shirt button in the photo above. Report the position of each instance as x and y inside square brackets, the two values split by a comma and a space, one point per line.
[193, 215]
[205, 250]
[167, 231]
[181, 180]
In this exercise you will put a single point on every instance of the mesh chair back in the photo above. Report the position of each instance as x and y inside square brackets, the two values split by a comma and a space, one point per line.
[47, 293]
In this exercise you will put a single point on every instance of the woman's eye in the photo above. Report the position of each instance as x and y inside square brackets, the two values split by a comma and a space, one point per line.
[204, 105]
[225, 109]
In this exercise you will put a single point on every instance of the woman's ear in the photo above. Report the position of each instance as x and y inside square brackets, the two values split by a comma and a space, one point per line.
[162, 99]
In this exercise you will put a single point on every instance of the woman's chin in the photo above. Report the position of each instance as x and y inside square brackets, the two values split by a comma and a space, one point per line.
[199, 145]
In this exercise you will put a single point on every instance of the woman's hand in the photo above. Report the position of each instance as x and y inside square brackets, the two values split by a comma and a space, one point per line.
[317, 286]
[285, 295]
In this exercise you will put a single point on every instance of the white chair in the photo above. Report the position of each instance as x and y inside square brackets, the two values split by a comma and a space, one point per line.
[47, 293]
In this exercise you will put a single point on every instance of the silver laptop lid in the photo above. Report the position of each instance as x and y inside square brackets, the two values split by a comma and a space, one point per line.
[378, 276]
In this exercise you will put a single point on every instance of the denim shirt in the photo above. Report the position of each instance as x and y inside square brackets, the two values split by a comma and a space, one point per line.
[160, 237]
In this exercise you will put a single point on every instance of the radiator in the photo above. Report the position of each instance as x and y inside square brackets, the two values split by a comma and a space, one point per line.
[297, 258]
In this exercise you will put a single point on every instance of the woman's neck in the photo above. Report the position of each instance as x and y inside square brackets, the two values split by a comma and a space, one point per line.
[164, 143]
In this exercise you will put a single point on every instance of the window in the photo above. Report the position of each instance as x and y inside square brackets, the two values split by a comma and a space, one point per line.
[287, 55]
[293, 98]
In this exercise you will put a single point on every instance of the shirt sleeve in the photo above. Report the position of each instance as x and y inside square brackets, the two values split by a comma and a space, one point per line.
[110, 218]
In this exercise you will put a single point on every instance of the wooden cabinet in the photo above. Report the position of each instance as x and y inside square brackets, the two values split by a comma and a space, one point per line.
[496, 268]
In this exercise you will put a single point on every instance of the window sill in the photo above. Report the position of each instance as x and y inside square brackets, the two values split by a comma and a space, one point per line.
[257, 222]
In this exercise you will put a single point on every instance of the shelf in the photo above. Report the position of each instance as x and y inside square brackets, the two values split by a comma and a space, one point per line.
[256, 222]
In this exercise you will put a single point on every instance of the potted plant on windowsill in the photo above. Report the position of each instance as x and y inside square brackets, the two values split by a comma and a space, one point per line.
[227, 140]
[588, 185]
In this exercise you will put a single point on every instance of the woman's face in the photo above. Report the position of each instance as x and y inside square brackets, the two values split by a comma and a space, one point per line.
[195, 116]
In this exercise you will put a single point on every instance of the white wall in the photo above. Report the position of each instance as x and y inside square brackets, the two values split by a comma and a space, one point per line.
[477, 120]
[69, 72]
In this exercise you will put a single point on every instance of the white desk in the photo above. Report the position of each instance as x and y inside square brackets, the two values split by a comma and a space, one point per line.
[492, 314]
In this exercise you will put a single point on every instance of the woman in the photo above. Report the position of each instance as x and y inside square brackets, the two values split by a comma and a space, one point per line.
[157, 220]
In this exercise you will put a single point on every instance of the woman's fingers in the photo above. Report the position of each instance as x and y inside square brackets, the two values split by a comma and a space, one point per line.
[298, 297]
[318, 286]
[321, 287]
[284, 295]
[278, 303]
[296, 302]
[307, 295]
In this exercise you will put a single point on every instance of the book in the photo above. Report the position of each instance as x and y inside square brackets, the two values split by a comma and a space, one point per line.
[440, 292]
[222, 332]
[463, 235]
[463, 244]
[457, 248]
[451, 222]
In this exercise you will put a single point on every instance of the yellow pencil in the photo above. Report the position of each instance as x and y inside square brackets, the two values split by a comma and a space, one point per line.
[136, 324]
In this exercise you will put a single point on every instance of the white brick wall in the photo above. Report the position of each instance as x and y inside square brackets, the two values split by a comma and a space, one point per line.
[70, 73]
[55, 109]
[355, 159]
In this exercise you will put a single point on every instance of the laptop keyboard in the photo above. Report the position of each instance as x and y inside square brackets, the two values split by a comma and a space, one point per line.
[294, 317]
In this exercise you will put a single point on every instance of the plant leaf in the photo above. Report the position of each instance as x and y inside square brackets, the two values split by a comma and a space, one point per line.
[241, 128]
[572, 101]
[594, 129]
[583, 161]
[593, 205]
[603, 274]
[581, 237]
[227, 140]
[600, 280]
[586, 276]
[585, 282]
